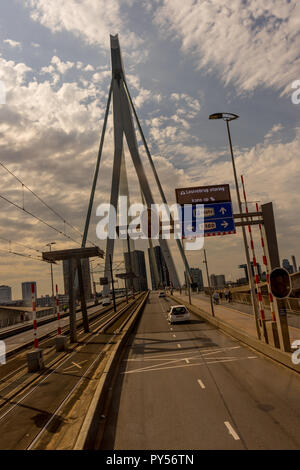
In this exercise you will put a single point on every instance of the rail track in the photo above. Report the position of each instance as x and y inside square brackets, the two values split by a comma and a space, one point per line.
[30, 403]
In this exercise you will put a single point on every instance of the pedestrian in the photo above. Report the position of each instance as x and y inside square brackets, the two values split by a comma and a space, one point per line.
[216, 297]
[229, 296]
[226, 294]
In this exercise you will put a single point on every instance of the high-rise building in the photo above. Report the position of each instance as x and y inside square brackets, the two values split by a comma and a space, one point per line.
[294, 263]
[217, 281]
[5, 294]
[86, 276]
[27, 293]
[244, 267]
[286, 264]
[197, 277]
[138, 267]
[163, 273]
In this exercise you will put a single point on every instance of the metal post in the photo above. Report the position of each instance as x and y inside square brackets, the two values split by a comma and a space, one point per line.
[72, 313]
[82, 297]
[130, 264]
[112, 284]
[274, 261]
[208, 281]
[252, 288]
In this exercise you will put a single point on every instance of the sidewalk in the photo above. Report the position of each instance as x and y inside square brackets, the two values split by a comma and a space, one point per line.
[235, 318]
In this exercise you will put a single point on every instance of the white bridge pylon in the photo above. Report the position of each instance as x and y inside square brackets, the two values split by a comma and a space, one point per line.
[123, 111]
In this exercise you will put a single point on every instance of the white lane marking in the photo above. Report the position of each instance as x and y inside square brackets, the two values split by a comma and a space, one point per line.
[171, 329]
[201, 383]
[178, 345]
[174, 336]
[204, 352]
[252, 357]
[187, 361]
[231, 431]
[154, 367]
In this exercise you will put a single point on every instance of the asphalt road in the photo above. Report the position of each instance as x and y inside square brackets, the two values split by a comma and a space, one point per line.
[190, 386]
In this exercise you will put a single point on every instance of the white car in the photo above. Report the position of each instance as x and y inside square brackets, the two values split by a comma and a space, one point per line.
[106, 301]
[178, 313]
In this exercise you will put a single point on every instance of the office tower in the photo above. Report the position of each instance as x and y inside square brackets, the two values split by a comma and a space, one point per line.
[5, 294]
[217, 281]
[197, 277]
[164, 277]
[138, 267]
[244, 267]
[286, 264]
[27, 293]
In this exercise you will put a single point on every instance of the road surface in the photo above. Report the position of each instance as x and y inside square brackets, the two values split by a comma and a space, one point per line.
[190, 386]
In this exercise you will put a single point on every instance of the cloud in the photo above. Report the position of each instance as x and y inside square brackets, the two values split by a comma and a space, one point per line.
[12, 43]
[92, 20]
[248, 44]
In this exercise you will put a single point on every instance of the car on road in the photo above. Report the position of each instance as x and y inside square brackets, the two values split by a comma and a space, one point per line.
[178, 313]
[106, 301]
[162, 294]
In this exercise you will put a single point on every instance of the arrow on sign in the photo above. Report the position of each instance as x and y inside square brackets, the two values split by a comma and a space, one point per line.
[224, 224]
[223, 210]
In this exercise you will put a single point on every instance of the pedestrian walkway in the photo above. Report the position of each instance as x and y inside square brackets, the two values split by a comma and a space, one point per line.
[237, 319]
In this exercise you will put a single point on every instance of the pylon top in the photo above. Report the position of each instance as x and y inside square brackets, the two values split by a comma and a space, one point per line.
[116, 58]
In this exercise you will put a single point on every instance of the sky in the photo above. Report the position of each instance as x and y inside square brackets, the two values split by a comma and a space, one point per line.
[183, 62]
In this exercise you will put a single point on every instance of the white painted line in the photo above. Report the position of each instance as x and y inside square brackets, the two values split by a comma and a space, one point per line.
[174, 336]
[201, 383]
[178, 345]
[187, 361]
[231, 431]
[252, 357]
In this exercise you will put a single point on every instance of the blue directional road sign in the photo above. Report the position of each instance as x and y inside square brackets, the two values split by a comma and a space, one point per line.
[215, 219]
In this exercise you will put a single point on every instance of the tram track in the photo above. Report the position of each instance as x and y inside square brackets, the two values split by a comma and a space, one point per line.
[19, 394]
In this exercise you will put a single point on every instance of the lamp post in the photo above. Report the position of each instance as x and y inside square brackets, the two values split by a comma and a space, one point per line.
[227, 117]
[51, 271]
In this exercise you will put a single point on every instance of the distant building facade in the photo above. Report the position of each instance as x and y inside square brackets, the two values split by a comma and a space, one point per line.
[217, 281]
[294, 263]
[163, 272]
[27, 293]
[244, 267]
[286, 264]
[197, 277]
[5, 294]
[138, 266]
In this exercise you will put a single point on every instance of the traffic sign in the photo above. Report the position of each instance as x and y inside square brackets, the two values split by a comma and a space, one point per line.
[203, 194]
[280, 283]
[214, 227]
[207, 220]
[213, 211]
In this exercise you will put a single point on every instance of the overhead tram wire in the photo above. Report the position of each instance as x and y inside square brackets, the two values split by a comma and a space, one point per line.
[11, 252]
[39, 219]
[43, 202]
[20, 244]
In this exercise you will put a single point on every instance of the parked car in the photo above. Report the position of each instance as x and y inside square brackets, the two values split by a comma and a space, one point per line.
[162, 294]
[178, 313]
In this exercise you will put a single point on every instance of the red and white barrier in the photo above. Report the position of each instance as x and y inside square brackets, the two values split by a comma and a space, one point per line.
[255, 269]
[265, 260]
[58, 313]
[33, 297]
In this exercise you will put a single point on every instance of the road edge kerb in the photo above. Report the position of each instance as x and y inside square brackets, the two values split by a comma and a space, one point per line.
[92, 421]
[266, 349]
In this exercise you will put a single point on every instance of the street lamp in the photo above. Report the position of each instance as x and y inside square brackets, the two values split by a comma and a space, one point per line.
[227, 117]
[51, 270]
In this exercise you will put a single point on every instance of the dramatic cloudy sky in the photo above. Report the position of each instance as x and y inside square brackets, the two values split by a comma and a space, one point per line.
[183, 61]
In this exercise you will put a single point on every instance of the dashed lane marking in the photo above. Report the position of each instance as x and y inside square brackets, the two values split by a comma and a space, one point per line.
[231, 431]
